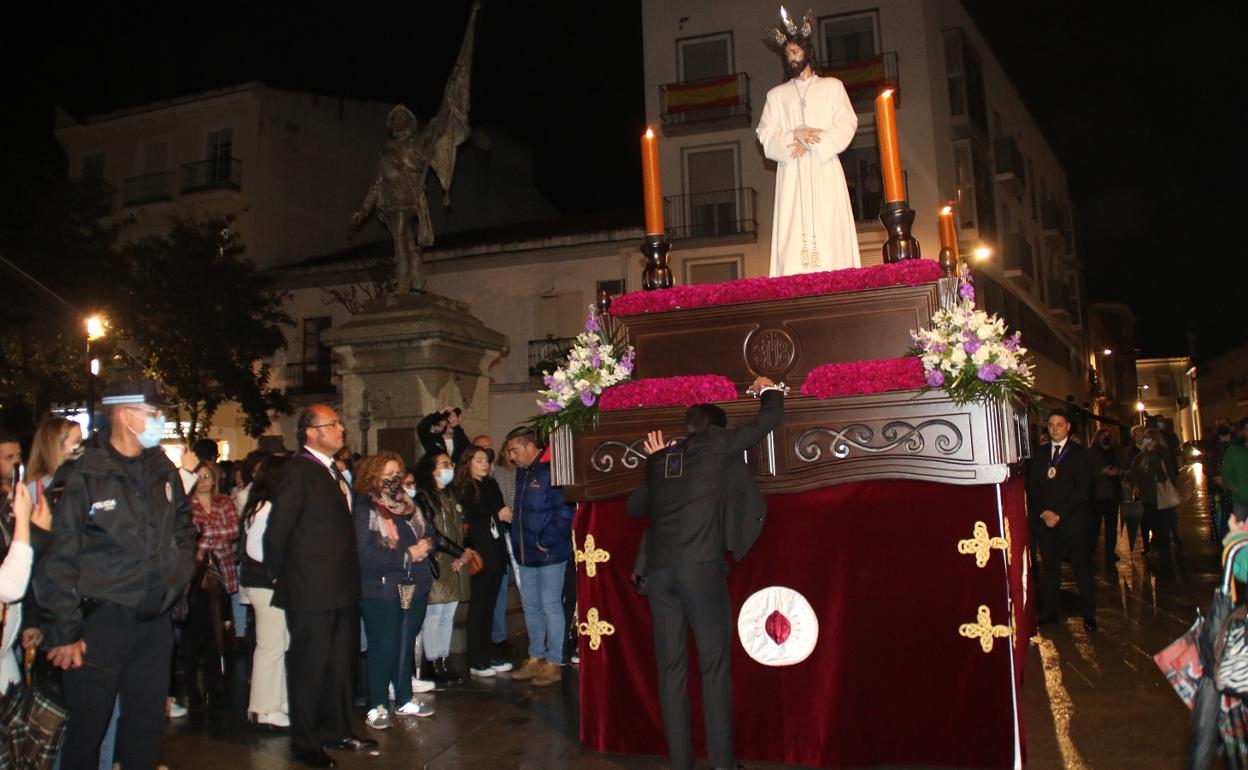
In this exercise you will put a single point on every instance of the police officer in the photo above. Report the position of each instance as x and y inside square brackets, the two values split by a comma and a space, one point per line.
[122, 553]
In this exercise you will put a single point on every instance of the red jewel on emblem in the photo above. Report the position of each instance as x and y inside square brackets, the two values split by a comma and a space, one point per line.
[777, 627]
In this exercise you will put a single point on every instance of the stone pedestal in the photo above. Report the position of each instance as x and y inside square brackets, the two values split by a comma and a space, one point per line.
[406, 356]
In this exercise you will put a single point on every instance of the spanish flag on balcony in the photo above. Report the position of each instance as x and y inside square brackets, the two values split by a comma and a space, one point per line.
[703, 94]
[863, 76]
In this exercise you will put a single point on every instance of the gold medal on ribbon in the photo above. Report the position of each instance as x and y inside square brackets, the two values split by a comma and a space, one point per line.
[1052, 473]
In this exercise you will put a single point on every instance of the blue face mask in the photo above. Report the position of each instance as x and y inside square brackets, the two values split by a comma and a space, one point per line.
[446, 476]
[153, 431]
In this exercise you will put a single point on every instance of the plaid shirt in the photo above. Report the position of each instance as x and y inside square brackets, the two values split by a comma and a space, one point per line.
[218, 533]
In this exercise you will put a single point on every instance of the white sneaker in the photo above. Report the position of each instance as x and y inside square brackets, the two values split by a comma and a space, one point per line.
[483, 672]
[422, 685]
[414, 708]
[501, 666]
[176, 710]
[576, 660]
[379, 719]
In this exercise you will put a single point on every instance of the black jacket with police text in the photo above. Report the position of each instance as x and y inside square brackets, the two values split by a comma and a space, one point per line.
[115, 541]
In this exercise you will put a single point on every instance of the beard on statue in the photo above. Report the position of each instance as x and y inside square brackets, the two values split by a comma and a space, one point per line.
[797, 56]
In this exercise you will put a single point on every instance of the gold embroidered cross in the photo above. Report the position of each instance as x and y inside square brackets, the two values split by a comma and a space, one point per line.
[983, 629]
[592, 556]
[981, 545]
[594, 628]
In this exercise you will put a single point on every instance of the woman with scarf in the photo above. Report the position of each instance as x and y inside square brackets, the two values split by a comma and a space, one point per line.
[394, 542]
[434, 474]
[216, 577]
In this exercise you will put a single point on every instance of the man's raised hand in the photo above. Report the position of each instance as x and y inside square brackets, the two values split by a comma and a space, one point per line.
[654, 442]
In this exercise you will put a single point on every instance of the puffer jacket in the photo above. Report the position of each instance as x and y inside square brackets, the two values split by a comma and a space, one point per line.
[541, 524]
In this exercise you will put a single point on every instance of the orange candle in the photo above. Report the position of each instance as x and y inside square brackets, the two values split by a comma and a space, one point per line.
[652, 190]
[948, 235]
[890, 154]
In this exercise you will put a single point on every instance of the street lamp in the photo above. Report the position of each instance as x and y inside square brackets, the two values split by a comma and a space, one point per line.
[1108, 351]
[982, 253]
[97, 328]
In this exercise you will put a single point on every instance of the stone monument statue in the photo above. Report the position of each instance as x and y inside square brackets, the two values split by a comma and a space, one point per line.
[398, 190]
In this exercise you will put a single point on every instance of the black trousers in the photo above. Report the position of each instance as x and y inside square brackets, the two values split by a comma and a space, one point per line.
[571, 639]
[319, 668]
[694, 596]
[125, 657]
[484, 594]
[1104, 511]
[200, 651]
[1071, 537]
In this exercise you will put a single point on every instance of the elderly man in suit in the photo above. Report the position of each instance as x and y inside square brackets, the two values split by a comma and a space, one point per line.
[699, 506]
[309, 549]
[1059, 484]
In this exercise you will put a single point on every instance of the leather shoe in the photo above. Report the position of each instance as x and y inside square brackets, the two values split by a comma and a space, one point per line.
[1089, 624]
[352, 743]
[315, 759]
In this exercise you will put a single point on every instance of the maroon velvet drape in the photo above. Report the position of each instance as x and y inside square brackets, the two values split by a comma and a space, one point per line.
[890, 681]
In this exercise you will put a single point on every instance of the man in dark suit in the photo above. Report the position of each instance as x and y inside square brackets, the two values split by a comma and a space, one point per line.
[696, 514]
[309, 549]
[1059, 484]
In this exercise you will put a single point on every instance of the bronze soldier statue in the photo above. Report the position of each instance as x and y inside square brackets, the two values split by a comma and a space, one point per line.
[398, 190]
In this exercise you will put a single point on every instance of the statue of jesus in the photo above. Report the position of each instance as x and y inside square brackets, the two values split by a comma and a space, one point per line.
[807, 121]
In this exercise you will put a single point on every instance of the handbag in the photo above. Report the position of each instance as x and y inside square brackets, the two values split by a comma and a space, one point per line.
[32, 723]
[211, 579]
[407, 586]
[1167, 495]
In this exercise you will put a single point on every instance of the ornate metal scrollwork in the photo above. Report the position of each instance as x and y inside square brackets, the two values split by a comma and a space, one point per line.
[896, 434]
[630, 456]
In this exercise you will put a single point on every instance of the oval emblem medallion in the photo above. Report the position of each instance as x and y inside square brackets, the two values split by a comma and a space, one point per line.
[770, 351]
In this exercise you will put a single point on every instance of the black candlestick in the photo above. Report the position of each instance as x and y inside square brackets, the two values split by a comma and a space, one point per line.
[897, 217]
[948, 262]
[657, 274]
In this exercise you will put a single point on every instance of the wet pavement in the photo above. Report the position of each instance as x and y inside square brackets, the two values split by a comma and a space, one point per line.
[1089, 700]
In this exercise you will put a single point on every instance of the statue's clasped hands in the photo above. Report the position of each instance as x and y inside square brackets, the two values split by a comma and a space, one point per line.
[802, 139]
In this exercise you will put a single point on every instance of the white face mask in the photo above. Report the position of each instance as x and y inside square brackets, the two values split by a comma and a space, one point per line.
[410, 492]
[446, 476]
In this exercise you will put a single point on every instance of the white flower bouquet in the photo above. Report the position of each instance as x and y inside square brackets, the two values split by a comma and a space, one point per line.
[596, 362]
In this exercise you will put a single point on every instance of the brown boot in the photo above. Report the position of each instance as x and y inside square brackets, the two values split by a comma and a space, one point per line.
[550, 674]
[531, 668]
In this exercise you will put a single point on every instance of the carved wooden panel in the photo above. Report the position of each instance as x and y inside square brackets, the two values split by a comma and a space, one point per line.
[883, 436]
[780, 339]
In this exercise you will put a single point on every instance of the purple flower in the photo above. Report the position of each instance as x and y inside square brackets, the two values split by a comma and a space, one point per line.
[627, 362]
[967, 291]
[971, 345]
[1011, 343]
[935, 379]
[550, 405]
[990, 372]
[596, 361]
[591, 323]
[587, 397]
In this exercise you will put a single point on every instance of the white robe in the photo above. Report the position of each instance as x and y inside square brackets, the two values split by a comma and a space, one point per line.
[812, 226]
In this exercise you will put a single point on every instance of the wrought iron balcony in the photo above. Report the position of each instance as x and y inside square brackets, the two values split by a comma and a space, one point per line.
[212, 174]
[548, 354]
[147, 188]
[1017, 260]
[705, 105]
[866, 77]
[1010, 167]
[718, 215]
[307, 377]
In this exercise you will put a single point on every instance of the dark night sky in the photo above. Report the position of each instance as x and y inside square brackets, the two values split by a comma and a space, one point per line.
[1136, 100]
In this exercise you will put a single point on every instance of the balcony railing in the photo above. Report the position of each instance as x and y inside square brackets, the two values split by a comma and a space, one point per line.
[548, 354]
[1057, 224]
[213, 174]
[705, 105]
[1010, 167]
[306, 377]
[147, 188]
[1059, 298]
[1017, 260]
[711, 215]
[865, 78]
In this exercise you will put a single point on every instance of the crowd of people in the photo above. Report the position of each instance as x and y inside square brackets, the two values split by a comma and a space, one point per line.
[143, 584]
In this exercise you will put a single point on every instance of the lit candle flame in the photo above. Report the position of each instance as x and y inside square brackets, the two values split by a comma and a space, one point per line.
[946, 211]
[649, 133]
[887, 93]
